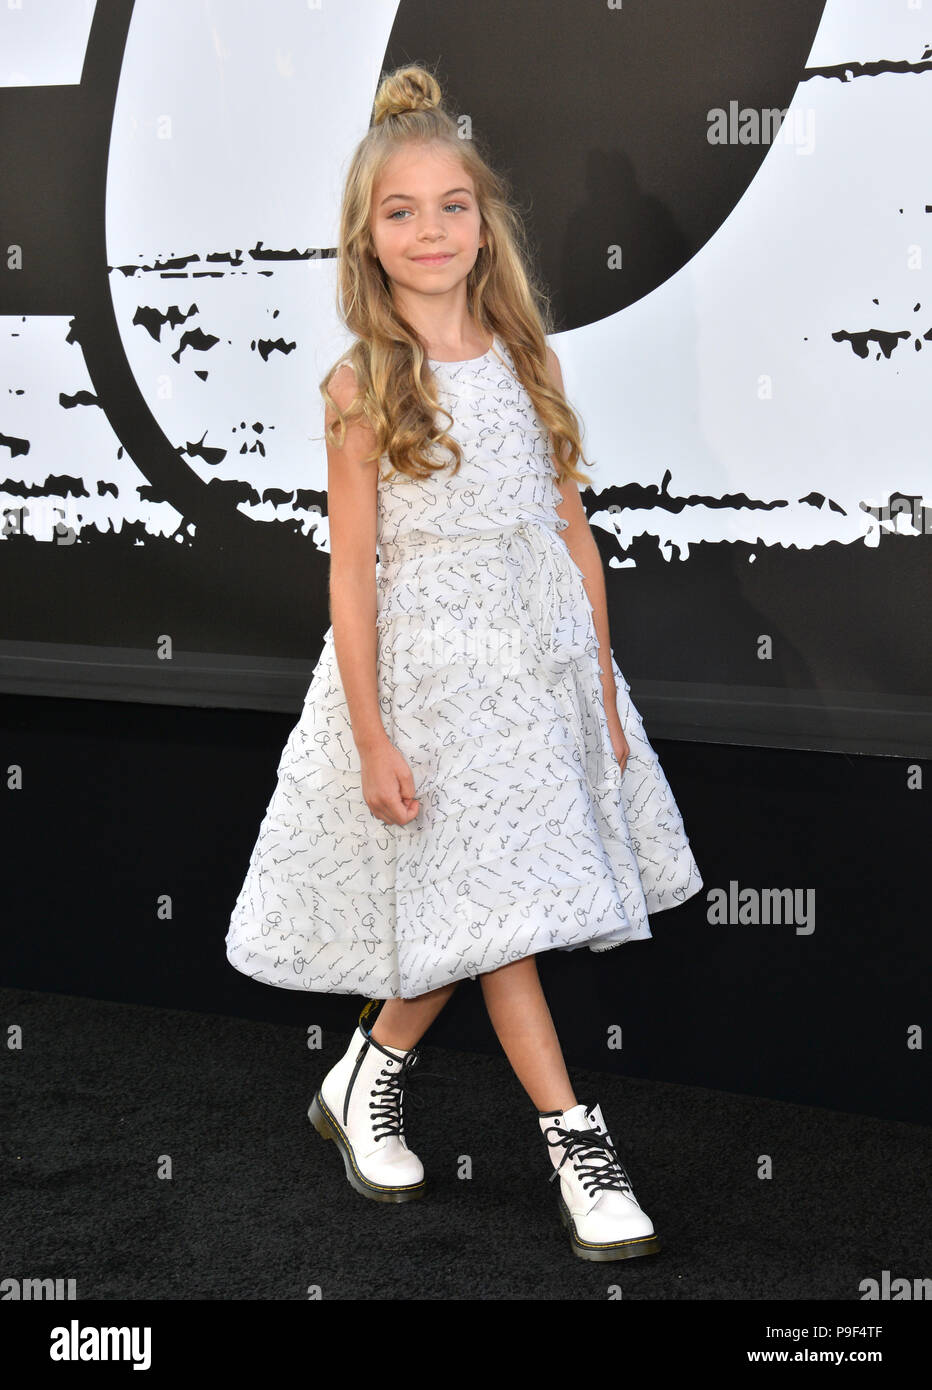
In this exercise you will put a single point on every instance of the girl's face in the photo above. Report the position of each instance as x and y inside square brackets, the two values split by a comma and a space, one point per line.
[425, 221]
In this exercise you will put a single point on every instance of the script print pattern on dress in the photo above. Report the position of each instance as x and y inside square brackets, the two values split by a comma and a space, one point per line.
[529, 837]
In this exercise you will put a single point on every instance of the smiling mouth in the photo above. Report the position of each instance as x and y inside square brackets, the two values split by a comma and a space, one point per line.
[434, 260]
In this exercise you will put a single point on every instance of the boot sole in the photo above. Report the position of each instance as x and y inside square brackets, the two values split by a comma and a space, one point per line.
[614, 1250]
[328, 1127]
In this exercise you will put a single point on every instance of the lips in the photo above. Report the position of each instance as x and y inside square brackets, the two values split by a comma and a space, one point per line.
[434, 260]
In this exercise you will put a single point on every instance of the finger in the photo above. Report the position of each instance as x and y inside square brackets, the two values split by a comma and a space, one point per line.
[396, 808]
[406, 785]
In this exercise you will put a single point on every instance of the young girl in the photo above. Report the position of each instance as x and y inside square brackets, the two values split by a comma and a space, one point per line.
[468, 784]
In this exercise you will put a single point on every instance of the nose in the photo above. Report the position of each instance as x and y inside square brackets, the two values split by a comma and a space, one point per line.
[431, 227]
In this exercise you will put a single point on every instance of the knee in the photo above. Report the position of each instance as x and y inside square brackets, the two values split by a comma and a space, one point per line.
[513, 970]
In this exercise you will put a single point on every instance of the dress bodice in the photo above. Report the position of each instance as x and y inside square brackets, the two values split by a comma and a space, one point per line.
[506, 477]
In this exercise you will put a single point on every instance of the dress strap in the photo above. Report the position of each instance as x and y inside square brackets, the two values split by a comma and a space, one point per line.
[501, 358]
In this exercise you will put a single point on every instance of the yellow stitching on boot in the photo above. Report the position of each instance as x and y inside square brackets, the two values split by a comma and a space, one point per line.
[611, 1244]
[608, 1244]
[379, 1187]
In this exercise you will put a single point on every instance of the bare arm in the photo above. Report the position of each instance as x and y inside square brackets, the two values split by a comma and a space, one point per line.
[351, 505]
[582, 547]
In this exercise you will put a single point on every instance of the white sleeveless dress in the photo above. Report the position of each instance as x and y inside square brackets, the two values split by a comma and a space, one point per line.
[529, 837]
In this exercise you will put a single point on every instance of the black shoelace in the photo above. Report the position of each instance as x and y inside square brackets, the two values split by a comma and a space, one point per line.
[389, 1108]
[588, 1147]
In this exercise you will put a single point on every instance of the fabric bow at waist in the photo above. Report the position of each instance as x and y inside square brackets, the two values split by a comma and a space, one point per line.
[561, 611]
[558, 606]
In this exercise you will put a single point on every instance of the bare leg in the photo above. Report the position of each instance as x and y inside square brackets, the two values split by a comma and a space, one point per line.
[402, 1023]
[521, 1019]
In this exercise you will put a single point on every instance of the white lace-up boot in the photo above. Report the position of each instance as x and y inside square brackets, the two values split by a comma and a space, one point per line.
[596, 1199]
[360, 1104]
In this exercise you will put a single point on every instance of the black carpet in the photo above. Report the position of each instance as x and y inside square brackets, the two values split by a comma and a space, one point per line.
[103, 1096]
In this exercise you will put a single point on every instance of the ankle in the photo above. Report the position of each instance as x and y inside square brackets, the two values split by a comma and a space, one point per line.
[376, 1034]
[557, 1109]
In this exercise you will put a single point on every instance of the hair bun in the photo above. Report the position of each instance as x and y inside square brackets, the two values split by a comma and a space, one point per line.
[405, 89]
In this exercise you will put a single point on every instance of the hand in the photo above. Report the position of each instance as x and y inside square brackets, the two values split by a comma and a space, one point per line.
[619, 742]
[387, 785]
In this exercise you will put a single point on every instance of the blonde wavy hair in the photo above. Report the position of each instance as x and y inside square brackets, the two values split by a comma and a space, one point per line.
[395, 386]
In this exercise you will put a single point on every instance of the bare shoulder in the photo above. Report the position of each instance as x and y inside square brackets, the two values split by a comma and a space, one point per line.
[343, 386]
[553, 366]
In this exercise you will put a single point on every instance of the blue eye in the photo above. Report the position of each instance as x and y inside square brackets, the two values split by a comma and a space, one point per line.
[393, 215]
